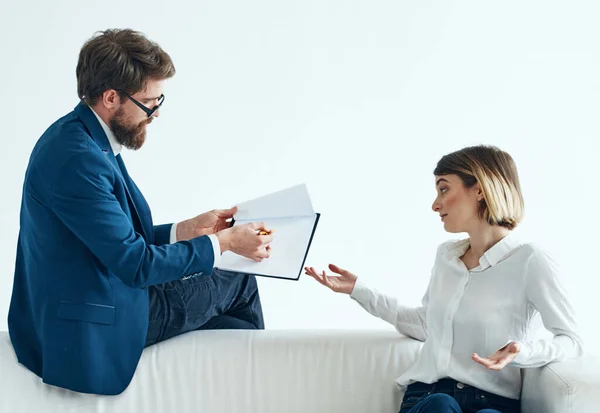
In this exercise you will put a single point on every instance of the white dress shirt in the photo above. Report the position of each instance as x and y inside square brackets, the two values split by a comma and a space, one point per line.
[479, 311]
[116, 148]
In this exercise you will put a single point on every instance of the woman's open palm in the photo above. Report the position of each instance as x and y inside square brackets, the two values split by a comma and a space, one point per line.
[342, 283]
[500, 358]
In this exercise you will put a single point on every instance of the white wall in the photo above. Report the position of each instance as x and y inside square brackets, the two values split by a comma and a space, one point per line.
[357, 99]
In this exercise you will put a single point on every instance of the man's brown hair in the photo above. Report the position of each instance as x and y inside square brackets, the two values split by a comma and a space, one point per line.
[120, 59]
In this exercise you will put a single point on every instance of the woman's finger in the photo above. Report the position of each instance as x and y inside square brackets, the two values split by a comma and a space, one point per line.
[493, 362]
[326, 280]
[322, 278]
[318, 277]
[500, 364]
[311, 274]
[514, 348]
[337, 269]
[481, 360]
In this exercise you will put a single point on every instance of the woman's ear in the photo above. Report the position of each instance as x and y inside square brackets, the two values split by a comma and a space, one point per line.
[478, 192]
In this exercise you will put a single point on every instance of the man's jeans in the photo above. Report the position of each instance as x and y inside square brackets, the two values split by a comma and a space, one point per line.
[222, 300]
[450, 396]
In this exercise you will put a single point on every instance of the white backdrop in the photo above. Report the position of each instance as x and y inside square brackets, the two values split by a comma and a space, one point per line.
[357, 99]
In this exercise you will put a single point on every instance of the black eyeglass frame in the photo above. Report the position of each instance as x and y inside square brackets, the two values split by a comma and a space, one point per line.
[143, 107]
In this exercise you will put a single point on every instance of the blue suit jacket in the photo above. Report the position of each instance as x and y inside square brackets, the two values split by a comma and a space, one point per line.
[87, 249]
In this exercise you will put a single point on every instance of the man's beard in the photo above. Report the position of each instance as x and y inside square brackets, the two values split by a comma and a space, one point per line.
[131, 137]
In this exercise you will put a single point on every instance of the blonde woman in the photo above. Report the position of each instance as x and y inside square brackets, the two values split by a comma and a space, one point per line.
[484, 290]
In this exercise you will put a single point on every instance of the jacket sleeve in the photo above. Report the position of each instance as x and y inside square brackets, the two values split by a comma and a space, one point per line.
[83, 198]
[162, 234]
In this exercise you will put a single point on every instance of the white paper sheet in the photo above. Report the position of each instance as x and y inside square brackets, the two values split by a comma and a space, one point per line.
[290, 202]
[290, 213]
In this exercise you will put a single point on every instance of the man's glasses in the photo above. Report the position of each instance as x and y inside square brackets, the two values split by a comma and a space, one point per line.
[148, 111]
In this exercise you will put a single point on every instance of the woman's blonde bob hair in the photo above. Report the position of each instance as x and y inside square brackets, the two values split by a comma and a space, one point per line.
[497, 175]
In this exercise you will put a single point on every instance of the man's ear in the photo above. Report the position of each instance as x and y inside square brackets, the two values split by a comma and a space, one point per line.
[111, 99]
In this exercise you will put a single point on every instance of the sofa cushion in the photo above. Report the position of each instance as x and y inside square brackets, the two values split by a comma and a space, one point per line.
[271, 371]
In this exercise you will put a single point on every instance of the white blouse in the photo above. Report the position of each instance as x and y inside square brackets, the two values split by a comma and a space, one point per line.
[479, 311]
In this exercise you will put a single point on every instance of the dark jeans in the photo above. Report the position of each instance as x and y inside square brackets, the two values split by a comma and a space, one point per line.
[450, 396]
[222, 300]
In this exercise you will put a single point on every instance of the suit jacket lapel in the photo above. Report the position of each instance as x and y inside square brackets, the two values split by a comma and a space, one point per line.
[97, 133]
[139, 203]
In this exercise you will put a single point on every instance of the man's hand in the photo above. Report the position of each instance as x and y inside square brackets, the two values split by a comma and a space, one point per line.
[246, 241]
[208, 223]
[500, 358]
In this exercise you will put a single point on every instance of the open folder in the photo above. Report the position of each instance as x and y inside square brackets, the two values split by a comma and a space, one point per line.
[290, 213]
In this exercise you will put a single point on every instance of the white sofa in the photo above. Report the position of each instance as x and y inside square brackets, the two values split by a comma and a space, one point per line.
[277, 371]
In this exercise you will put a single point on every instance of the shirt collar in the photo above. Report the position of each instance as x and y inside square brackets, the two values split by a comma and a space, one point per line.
[502, 249]
[491, 257]
[116, 146]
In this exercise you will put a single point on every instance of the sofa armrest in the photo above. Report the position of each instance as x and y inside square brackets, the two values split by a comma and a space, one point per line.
[572, 386]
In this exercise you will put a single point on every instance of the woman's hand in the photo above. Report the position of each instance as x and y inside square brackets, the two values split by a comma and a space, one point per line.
[342, 283]
[500, 358]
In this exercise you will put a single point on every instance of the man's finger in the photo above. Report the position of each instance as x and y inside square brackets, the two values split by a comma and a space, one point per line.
[259, 226]
[226, 213]
[263, 253]
[266, 239]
